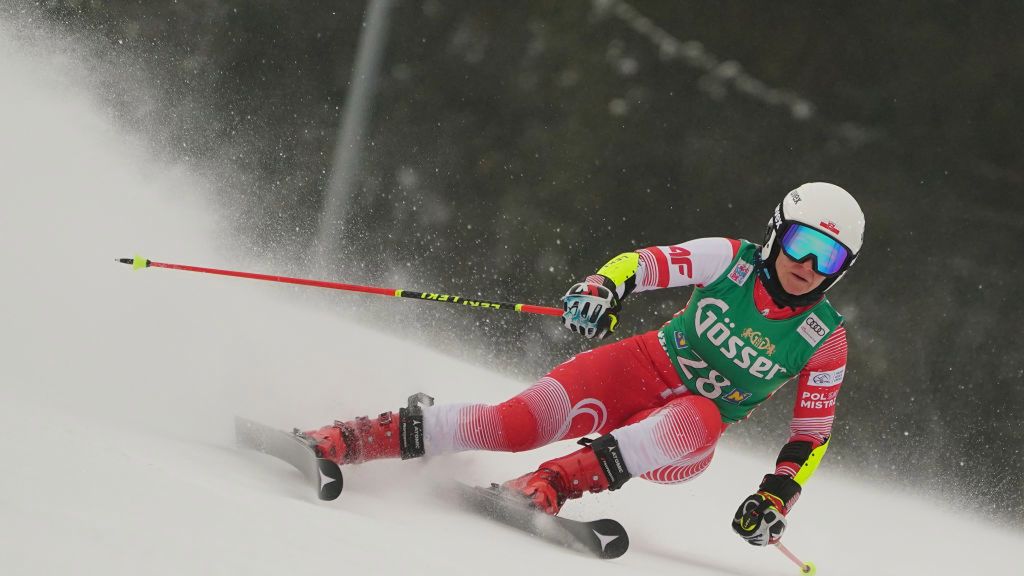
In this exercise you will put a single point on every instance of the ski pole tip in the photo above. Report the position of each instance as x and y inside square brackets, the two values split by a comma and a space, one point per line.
[136, 262]
[809, 568]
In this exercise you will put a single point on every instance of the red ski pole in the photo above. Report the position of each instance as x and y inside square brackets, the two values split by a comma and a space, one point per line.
[805, 567]
[138, 262]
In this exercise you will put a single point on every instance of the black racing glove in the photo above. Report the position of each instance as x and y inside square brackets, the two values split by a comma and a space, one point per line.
[761, 518]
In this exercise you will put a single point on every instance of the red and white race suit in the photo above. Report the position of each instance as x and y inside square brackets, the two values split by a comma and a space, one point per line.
[620, 388]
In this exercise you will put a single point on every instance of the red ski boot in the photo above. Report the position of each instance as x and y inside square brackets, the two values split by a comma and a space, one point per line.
[596, 468]
[390, 435]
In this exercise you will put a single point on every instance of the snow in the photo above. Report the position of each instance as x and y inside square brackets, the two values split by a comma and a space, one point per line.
[118, 388]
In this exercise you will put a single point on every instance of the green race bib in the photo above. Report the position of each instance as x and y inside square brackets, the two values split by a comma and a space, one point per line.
[724, 349]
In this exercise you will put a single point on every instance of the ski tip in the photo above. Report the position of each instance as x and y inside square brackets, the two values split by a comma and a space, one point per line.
[603, 538]
[331, 480]
[612, 538]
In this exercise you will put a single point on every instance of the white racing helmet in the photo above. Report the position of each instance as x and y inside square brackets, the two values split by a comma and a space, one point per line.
[817, 221]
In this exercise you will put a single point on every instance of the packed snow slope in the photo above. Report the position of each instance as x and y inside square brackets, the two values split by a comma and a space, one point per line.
[118, 389]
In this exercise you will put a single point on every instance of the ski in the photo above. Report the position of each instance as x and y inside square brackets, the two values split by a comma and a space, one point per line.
[602, 538]
[293, 448]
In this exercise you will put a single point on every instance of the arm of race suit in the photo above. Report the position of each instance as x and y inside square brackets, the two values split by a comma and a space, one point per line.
[695, 262]
[814, 411]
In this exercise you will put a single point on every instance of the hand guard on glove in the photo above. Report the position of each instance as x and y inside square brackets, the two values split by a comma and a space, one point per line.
[761, 518]
[590, 310]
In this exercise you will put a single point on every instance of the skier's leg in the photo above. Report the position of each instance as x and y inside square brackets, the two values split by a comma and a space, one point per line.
[595, 391]
[670, 444]
[686, 469]
[674, 442]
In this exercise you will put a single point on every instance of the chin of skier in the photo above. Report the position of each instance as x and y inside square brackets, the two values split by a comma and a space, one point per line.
[659, 401]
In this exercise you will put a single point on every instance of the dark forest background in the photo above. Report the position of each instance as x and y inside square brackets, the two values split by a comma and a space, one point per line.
[516, 146]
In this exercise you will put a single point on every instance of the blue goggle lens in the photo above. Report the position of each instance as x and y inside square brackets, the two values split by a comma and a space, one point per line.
[828, 255]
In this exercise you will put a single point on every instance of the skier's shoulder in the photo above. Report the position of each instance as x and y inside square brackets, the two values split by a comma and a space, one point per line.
[825, 324]
[825, 305]
[720, 256]
[702, 261]
[716, 249]
[714, 245]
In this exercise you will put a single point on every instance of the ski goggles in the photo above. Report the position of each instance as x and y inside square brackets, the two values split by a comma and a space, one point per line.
[828, 255]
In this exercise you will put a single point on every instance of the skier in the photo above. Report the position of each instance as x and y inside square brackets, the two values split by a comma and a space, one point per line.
[757, 317]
